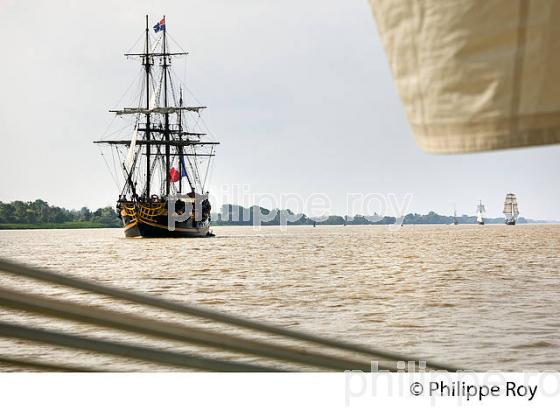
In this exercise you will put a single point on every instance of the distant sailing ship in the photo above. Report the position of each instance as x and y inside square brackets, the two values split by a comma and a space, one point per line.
[510, 209]
[164, 150]
[455, 220]
[480, 210]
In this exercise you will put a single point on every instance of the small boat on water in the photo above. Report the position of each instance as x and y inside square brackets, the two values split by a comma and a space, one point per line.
[511, 210]
[164, 164]
[480, 210]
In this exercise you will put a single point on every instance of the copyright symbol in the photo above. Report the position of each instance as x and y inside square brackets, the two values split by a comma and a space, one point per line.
[416, 389]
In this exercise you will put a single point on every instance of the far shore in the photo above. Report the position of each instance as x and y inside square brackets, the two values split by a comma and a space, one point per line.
[63, 225]
[89, 225]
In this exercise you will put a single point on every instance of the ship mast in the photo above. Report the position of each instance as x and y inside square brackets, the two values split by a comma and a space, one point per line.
[168, 135]
[180, 125]
[147, 131]
[166, 116]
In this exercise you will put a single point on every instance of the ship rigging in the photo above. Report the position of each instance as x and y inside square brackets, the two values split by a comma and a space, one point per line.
[168, 155]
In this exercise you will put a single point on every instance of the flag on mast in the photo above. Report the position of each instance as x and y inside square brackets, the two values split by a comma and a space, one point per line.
[160, 26]
[174, 175]
[183, 167]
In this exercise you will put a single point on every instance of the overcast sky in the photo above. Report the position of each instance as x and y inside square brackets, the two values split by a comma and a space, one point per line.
[299, 94]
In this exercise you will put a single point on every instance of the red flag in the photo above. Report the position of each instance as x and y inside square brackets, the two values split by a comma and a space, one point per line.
[174, 175]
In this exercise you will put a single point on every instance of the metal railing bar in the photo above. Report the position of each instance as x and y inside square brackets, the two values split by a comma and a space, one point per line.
[56, 278]
[44, 366]
[130, 351]
[133, 323]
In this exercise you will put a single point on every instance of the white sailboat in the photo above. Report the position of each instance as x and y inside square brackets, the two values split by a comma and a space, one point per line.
[511, 210]
[480, 210]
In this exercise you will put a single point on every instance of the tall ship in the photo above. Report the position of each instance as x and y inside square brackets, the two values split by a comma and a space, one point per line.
[511, 210]
[455, 220]
[480, 211]
[162, 157]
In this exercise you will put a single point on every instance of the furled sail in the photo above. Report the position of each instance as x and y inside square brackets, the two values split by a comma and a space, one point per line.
[153, 99]
[475, 75]
[131, 151]
[156, 110]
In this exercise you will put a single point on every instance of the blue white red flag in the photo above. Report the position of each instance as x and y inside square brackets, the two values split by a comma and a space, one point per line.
[183, 168]
[160, 26]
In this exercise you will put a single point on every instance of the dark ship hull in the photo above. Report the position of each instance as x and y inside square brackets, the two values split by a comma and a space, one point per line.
[150, 220]
[510, 221]
[135, 229]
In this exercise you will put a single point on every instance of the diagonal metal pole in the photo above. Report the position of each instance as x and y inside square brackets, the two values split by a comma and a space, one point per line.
[171, 331]
[126, 350]
[43, 366]
[56, 278]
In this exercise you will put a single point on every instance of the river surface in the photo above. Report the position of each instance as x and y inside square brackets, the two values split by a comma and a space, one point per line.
[482, 297]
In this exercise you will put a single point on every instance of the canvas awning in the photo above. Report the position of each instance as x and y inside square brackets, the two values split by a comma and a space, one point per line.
[475, 75]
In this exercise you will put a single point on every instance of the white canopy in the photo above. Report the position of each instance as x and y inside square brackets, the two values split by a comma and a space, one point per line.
[475, 75]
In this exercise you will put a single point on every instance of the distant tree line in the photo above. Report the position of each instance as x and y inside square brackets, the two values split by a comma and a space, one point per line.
[238, 215]
[433, 218]
[40, 212]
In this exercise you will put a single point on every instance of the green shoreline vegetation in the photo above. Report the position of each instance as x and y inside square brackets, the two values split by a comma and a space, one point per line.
[63, 225]
[39, 214]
